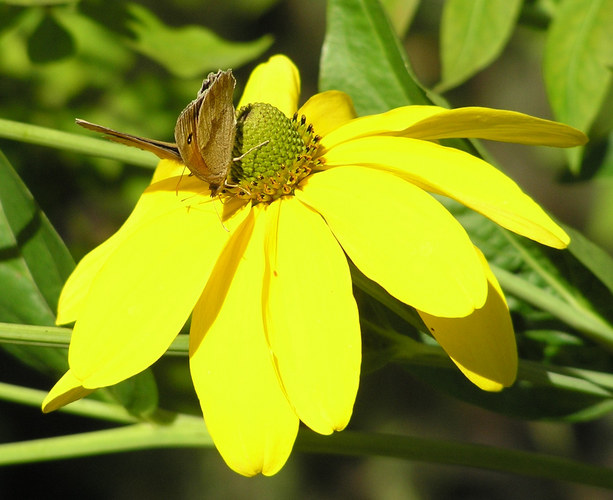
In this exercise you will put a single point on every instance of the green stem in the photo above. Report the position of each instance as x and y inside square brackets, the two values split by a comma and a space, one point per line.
[184, 431]
[50, 336]
[83, 407]
[190, 431]
[187, 432]
[77, 143]
[451, 453]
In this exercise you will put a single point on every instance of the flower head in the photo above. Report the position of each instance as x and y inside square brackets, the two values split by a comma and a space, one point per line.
[262, 268]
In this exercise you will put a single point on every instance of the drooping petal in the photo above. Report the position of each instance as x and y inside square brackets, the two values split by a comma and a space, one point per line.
[66, 390]
[312, 318]
[401, 237]
[456, 174]
[144, 292]
[495, 125]
[482, 344]
[275, 82]
[245, 409]
[328, 110]
[434, 122]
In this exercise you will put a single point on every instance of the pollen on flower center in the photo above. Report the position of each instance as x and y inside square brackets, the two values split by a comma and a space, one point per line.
[272, 153]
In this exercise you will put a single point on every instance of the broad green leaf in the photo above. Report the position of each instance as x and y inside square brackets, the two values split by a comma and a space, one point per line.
[577, 64]
[473, 34]
[189, 51]
[363, 57]
[34, 263]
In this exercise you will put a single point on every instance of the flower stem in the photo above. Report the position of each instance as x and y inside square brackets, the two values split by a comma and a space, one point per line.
[77, 143]
[190, 431]
[453, 453]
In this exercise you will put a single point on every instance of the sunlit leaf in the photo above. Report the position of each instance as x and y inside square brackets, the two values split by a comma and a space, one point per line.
[401, 13]
[577, 64]
[189, 51]
[363, 57]
[34, 263]
[473, 34]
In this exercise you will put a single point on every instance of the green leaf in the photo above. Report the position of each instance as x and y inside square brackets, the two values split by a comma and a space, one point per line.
[546, 279]
[34, 264]
[540, 392]
[473, 34]
[577, 64]
[138, 395]
[591, 256]
[50, 41]
[362, 56]
[400, 13]
[189, 51]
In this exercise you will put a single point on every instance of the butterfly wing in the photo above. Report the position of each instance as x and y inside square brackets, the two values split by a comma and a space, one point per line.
[206, 129]
[163, 150]
[186, 135]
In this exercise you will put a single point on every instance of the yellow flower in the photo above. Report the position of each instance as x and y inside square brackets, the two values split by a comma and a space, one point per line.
[262, 268]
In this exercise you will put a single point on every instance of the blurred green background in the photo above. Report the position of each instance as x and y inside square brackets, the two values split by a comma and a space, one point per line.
[134, 67]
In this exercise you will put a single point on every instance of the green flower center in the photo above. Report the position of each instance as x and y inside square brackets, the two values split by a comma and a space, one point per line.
[272, 154]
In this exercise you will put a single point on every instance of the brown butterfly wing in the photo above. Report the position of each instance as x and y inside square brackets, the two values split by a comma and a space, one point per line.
[217, 125]
[206, 128]
[186, 135]
[163, 150]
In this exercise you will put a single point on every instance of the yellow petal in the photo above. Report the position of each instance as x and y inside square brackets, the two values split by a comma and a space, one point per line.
[391, 121]
[456, 174]
[495, 125]
[66, 390]
[77, 286]
[312, 318]
[401, 237]
[168, 168]
[328, 110]
[433, 122]
[144, 292]
[275, 82]
[159, 198]
[246, 412]
[482, 344]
